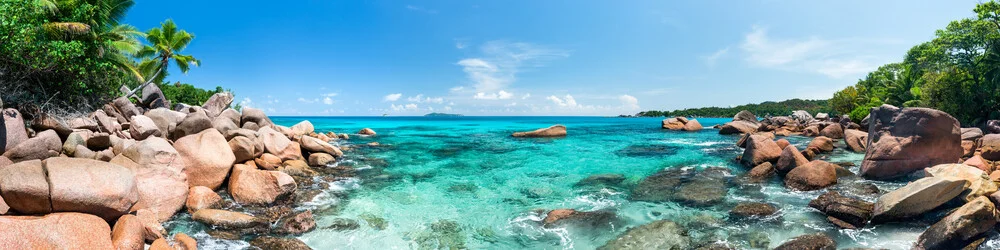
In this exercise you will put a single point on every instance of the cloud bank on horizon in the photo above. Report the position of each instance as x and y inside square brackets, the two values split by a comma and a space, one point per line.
[542, 58]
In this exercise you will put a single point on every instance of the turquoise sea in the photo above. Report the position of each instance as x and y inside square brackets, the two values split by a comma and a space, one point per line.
[464, 182]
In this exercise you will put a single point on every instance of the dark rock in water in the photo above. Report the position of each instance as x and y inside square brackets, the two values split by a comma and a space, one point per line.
[298, 223]
[227, 220]
[655, 150]
[761, 172]
[716, 246]
[903, 141]
[701, 192]
[443, 234]
[662, 234]
[818, 241]
[225, 235]
[858, 189]
[601, 179]
[660, 186]
[752, 239]
[537, 192]
[560, 217]
[463, 187]
[275, 243]
[375, 222]
[750, 210]
[342, 224]
[854, 212]
[960, 228]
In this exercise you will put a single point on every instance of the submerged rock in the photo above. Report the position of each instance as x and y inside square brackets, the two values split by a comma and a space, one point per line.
[227, 220]
[752, 210]
[659, 186]
[818, 241]
[902, 141]
[960, 228]
[366, 131]
[917, 198]
[602, 179]
[342, 224]
[298, 223]
[553, 131]
[701, 192]
[662, 234]
[647, 150]
[443, 234]
[560, 217]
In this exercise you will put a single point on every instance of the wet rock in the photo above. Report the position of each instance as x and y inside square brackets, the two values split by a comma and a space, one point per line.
[646, 150]
[275, 243]
[159, 174]
[12, 130]
[760, 149]
[298, 223]
[812, 176]
[979, 182]
[366, 131]
[376, 222]
[342, 224]
[142, 127]
[738, 127]
[761, 172]
[297, 168]
[602, 179]
[184, 242]
[553, 131]
[854, 212]
[659, 186]
[443, 234]
[751, 210]
[818, 241]
[902, 141]
[55, 231]
[200, 197]
[44, 145]
[917, 198]
[662, 234]
[752, 239]
[260, 187]
[227, 220]
[960, 228]
[127, 233]
[858, 189]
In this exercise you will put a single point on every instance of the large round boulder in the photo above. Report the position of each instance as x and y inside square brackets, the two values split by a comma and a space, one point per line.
[812, 176]
[13, 132]
[738, 127]
[207, 158]
[845, 212]
[278, 144]
[302, 128]
[833, 131]
[227, 219]
[856, 140]
[127, 234]
[217, 103]
[902, 141]
[789, 159]
[69, 185]
[244, 148]
[55, 231]
[979, 181]
[159, 174]
[166, 120]
[255, 116]
[760, 149]
[314, 145]
[193, 123]
[259, 187]
[142, 127]
[744, 115]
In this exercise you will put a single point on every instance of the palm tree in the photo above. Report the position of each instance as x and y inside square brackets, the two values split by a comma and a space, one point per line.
[117, 42]
[166, 43]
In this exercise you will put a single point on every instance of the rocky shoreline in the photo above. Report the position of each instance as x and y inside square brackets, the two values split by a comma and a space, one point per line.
[113, 179]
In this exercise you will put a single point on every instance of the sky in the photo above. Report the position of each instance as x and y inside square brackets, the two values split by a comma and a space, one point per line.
[530, 58]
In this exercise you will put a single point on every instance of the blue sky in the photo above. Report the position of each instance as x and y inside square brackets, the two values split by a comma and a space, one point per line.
[539, 57]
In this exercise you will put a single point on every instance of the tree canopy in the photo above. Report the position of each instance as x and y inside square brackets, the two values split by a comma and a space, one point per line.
[762, 109]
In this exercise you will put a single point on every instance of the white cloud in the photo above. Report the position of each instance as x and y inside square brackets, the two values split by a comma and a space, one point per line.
[496, 68]
[421, 99]
[304, 100]
[502, 95]
[526, 96]
[407, 107]
[329, 94]
[711, 59]
[567, 101]
[327, 101]
[833, 58]
[457, 89]
[392, 97]
[246, 102]
[629, 102]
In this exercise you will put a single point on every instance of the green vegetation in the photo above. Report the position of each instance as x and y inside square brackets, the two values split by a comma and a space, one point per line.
[72, 56]
[957, 72]
[762, 109]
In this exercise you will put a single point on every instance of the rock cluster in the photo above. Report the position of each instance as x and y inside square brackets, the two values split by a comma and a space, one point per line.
[110, 179]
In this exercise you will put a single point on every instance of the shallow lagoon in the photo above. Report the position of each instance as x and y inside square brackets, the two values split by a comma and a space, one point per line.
[440, 182]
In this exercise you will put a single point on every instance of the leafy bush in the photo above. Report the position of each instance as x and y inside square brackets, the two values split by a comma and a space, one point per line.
[766, 108]
[187, 93]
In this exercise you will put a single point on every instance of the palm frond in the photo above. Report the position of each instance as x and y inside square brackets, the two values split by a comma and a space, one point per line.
[48, 5]
[181, 40]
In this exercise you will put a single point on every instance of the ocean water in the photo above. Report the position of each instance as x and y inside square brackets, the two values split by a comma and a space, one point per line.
[464, 182]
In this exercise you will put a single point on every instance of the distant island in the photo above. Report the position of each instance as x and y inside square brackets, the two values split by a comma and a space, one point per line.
[442, 115]
[765, 108]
